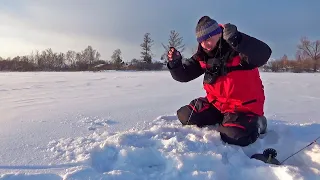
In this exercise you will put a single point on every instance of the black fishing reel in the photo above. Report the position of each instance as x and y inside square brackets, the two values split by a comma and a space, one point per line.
[270, 153]
[268, 156]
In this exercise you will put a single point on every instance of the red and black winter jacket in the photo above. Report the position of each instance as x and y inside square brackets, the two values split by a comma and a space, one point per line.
[241, 88]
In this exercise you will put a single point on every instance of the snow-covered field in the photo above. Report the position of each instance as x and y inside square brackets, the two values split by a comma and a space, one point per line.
[122, 125]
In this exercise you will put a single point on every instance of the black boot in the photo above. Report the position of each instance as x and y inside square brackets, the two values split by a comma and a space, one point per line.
[262, 124]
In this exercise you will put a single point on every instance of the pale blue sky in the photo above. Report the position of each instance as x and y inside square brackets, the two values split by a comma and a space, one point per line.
[27, 25]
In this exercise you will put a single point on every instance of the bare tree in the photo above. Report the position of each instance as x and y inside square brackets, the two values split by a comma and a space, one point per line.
[59, 61]
[310, 50]
[117, 59]
[90, 55]
[146, 53]
[71, 58]
[176, 41]
[274, 65]
[284, 63]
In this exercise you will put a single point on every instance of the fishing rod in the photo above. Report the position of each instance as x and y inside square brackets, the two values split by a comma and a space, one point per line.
[301, 149]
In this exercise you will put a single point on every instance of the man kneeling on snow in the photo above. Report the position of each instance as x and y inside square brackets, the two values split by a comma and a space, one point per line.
[229, 60]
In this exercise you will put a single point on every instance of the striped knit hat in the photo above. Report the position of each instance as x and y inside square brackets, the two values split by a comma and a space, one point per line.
[207, 28]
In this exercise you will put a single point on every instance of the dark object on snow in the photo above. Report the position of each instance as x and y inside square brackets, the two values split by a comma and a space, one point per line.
[268, 156]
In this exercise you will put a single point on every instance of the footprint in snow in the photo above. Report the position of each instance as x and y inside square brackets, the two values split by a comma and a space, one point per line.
[96, 122]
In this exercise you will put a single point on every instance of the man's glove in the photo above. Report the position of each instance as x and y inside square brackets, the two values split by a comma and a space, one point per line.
[174, 57]
[231, 35]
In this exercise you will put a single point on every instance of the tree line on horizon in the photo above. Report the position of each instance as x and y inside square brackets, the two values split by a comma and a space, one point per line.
[89, 59]
[307, 59]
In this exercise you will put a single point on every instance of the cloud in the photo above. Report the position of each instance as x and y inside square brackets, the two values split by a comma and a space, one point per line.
[21, 35]
[106, 25]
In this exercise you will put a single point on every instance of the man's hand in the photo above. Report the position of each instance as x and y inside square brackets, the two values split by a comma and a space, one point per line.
[174, 55]
[231, 34]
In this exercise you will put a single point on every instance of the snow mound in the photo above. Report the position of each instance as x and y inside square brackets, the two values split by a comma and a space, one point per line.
[163, 149]
[33, 177]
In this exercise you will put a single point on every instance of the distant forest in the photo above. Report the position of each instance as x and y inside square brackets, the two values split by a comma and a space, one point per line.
[307, 59]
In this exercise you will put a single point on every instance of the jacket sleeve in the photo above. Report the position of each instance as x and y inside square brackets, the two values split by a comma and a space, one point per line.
[185, 71]
[256, 51]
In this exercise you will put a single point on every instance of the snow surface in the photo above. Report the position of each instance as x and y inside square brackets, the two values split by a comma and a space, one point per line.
[122, 125]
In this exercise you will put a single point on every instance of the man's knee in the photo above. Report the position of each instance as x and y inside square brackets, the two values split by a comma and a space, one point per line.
[237, 136]
[199, 112]
[184, 114]
[238, 129]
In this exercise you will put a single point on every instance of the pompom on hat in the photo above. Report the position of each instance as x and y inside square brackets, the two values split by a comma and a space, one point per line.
[207, 28]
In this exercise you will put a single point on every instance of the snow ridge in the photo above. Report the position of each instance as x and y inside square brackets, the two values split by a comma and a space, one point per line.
[163, 149]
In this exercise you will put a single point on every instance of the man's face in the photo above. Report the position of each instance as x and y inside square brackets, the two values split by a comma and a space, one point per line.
[210, 43]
